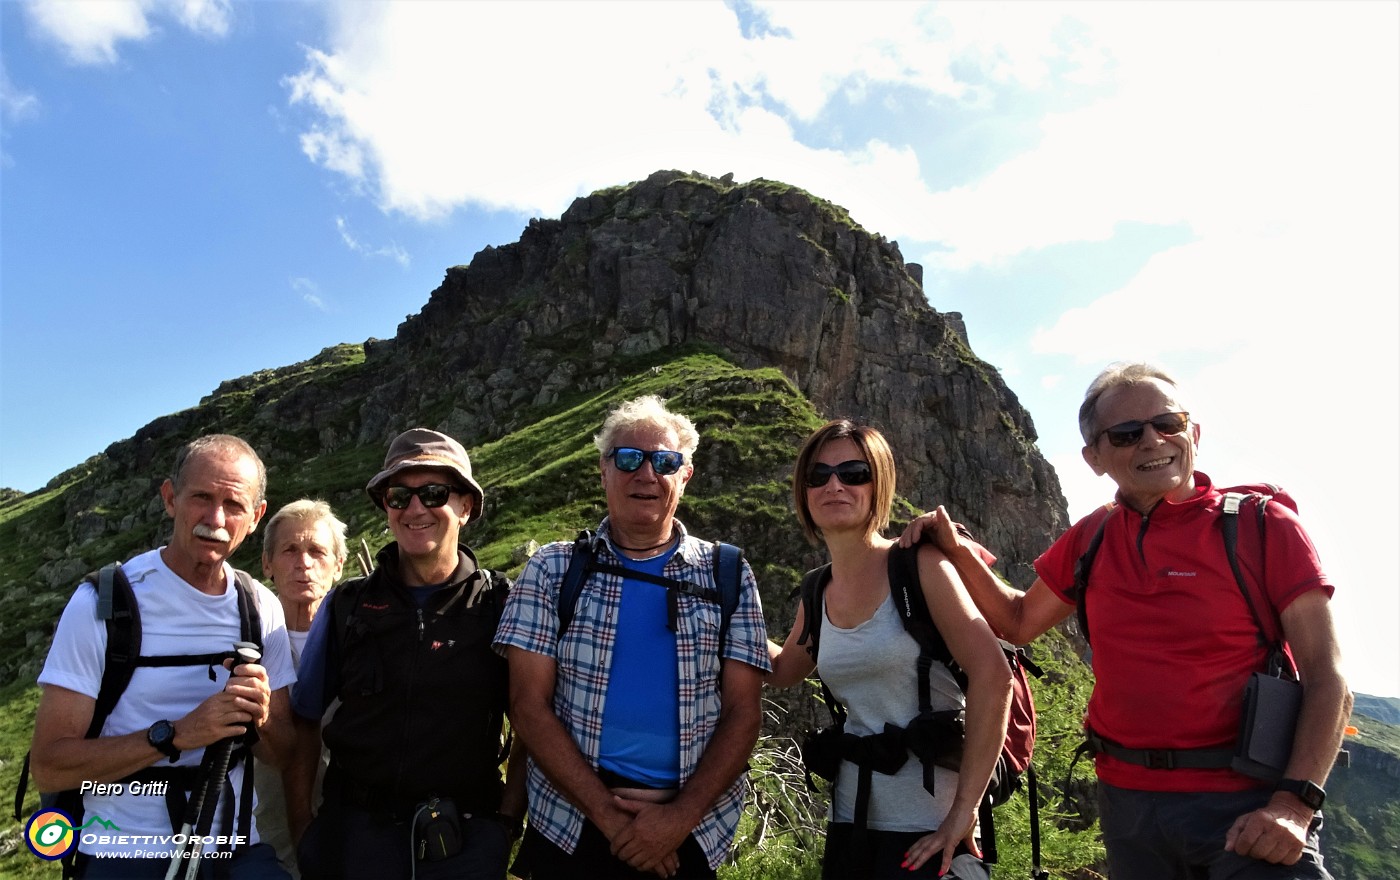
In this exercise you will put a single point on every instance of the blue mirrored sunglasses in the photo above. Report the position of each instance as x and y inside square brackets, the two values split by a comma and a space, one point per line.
[663, 461]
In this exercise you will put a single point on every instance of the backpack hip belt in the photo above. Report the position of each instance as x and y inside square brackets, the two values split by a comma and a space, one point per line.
[1157, 759]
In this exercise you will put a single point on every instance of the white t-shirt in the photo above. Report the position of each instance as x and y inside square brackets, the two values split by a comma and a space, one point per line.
[176, 619]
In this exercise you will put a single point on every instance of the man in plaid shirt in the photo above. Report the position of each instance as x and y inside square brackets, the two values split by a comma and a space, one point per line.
[638, 729]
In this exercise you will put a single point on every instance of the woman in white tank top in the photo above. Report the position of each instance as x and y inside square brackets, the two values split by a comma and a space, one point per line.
[868, 660]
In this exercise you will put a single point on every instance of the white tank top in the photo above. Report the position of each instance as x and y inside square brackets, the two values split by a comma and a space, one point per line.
[871, 670]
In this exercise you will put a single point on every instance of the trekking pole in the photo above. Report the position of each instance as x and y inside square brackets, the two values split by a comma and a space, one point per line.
[207, 790]
[192, 810]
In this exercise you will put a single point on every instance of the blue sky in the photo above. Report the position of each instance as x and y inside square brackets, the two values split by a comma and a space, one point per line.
[191, 191]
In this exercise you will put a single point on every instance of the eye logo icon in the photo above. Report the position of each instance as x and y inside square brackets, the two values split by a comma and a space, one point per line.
[50, 834]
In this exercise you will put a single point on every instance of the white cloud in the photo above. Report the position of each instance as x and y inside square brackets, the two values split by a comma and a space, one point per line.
[310, 292]
[88, 31]
[391, 250]
[434, 106]
[16, 104]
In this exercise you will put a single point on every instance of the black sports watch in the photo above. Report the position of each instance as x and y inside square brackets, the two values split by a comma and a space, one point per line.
[1307, 791]
[161, 736]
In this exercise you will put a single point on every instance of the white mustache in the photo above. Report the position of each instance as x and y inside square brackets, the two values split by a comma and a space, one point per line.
[203, 531]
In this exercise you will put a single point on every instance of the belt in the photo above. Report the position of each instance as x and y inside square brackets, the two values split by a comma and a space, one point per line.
[1160, 759]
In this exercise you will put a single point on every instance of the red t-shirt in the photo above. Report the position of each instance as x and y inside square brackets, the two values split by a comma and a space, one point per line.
[1173, 640]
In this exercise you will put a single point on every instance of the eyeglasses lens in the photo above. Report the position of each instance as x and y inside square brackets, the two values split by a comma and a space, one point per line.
[1167, 424]
[663, 461]
[432, 495]
[851, 473]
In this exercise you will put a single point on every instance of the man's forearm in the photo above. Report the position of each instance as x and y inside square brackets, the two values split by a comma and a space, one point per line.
[275, 738]
[729, 749]
[558, 756]
[1327, 704]
[70, 762]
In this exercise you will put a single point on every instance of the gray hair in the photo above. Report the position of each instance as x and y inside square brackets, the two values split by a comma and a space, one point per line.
[223, 445]
[308, 512]
[1115, 375]
[649, 410]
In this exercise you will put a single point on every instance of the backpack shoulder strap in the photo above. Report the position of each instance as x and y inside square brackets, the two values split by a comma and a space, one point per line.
[1269, 626]
[908, 594]
[728, 565]
[585, 548]
[811, 590]
[249, 608]
[342, 599]
[116, 605]
[1084, 564]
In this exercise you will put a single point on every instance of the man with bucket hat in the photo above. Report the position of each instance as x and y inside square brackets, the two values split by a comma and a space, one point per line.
[414, 786]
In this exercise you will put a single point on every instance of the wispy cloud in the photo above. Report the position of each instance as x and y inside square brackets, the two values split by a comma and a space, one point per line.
[391, 251]
[89, 31]
[310, 292]
[16, 104]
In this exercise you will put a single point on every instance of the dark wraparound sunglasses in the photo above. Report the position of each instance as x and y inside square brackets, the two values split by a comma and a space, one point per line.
[1128, 433]
[431, 494]
[852, 473]
[663, 461]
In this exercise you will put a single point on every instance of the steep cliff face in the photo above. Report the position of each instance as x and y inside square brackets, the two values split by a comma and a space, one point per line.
[777, 278]
[766, 273]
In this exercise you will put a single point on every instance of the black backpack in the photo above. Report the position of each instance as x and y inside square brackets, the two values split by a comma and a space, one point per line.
[116, 605]
[934, 737]
[728, 568]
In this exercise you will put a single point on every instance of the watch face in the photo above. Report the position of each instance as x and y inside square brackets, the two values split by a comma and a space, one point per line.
[161, 732]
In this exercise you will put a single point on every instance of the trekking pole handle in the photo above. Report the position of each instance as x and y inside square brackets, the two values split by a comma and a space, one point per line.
[246, 652]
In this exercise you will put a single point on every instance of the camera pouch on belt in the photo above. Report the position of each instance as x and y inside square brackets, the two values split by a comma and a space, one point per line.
[821, 753]
[1267, 721]
[437, 830]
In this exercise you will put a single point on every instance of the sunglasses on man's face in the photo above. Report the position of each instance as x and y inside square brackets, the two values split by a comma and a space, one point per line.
[852, 473]
[431, 494]
[1129, 433]
[663, 461]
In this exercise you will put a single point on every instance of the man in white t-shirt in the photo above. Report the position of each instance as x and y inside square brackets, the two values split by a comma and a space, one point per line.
[303, 555]
[168, 714]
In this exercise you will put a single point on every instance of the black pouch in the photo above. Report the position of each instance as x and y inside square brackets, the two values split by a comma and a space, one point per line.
[936, 738]
[437, 830]
[821, 753]
[1267, 722]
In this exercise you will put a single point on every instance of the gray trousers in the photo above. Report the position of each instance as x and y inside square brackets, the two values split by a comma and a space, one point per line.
[1158, 835]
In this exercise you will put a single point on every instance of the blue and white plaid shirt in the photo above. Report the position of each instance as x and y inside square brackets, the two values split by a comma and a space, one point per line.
[584, 657]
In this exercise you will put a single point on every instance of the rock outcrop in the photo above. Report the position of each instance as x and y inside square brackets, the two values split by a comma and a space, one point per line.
[761, 271]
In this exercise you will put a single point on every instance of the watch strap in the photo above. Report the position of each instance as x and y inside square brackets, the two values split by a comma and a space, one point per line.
[1307, 791]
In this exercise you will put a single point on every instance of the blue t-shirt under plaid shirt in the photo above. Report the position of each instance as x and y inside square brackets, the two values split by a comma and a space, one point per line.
[584, 656]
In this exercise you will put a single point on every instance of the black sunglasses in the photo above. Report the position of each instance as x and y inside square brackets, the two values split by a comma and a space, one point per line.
[663, 461]
[852, 473]
[431, 494]
[1128, 433]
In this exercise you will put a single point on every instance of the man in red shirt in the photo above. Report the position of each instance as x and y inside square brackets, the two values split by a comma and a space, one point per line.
[1174, 644]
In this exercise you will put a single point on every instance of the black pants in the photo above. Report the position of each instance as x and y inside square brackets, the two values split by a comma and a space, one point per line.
[344, 843]
[540, 859]
[882, 858]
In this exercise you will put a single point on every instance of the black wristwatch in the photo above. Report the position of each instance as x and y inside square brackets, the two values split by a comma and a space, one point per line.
[161, 736]
[1307, 791]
